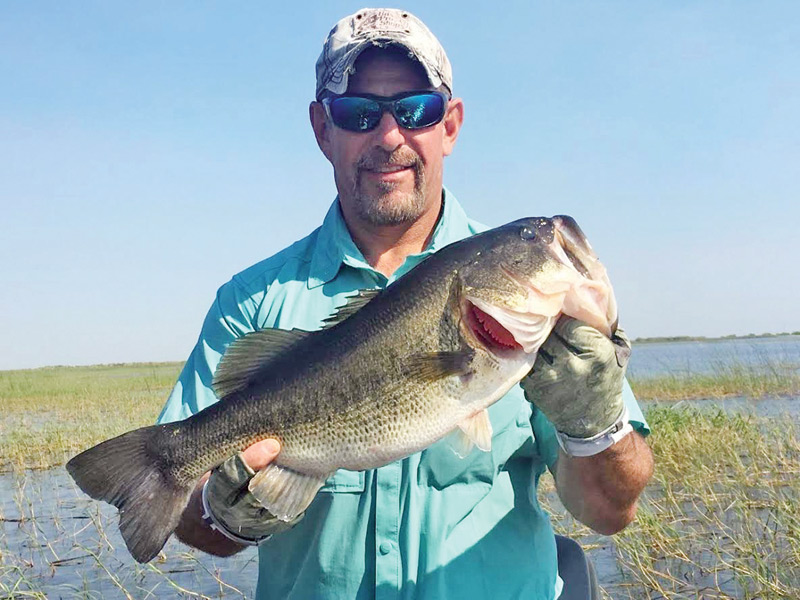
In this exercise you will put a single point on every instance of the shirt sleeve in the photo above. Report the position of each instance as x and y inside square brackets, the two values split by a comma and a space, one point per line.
[545, 433]
[230, 316]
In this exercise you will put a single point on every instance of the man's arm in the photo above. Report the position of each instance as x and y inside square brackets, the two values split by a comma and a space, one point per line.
[577, 384]
[602, 491]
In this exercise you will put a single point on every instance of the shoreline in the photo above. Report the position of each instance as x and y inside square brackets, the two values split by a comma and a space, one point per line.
[702, 338]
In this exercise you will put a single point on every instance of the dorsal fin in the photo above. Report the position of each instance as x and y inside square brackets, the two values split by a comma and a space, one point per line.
[352, 305]
[246, 356]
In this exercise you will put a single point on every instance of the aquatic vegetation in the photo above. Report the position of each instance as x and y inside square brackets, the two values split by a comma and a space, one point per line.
[56, 543]
[720, 520]
[724, 378]
[49, 414]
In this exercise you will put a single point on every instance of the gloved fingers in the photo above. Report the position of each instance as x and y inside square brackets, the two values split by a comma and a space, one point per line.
[576, 380]
[235, 507]
[573, 346]
[576, 337]
[272, 524]
[247, 517]
[622, 347]
[229, 480]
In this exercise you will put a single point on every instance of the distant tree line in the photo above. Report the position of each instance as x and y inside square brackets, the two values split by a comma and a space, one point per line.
[702, 338]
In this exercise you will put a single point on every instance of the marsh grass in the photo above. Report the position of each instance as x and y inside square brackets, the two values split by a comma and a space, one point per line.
[49, 414]
[724, 378]
[721, 518]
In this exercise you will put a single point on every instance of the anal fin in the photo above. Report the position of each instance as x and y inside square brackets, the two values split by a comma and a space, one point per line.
[284, 492]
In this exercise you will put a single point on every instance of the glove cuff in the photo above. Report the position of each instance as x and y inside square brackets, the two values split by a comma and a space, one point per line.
[210, 519]
[596, 444]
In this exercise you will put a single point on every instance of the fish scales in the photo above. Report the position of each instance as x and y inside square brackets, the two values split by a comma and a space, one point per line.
[329, 421]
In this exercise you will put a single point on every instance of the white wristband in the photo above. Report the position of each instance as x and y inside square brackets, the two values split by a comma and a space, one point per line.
[215, 524]
[573, 446]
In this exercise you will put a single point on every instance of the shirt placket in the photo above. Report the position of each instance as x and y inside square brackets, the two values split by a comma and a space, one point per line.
[387, 517]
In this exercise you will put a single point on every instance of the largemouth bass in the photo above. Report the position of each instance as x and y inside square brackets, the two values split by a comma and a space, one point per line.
[392, 372]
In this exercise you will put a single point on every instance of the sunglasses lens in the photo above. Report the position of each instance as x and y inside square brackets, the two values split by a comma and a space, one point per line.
[355, 114]
[418, 111]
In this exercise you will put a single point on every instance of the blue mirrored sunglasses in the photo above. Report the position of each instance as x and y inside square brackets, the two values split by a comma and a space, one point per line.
[411, 110]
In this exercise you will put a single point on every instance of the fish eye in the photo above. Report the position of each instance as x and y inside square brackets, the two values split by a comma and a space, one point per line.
[526, 233]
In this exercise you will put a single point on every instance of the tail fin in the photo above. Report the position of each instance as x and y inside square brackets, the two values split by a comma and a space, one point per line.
[129, 472]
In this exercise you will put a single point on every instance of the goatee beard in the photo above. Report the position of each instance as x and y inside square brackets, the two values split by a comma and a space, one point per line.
[386, 207]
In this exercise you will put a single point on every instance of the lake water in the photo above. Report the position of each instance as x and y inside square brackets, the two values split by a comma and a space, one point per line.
[58, 543]
[659, 358]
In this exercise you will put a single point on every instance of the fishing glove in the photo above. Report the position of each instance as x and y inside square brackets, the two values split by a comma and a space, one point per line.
[576, 382]
[232, 510]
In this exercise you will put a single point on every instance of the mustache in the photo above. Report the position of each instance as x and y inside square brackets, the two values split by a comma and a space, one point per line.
[378, 157]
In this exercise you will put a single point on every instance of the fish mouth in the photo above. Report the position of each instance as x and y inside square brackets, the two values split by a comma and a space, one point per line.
[576, 247]
[571, 247]
[488, 331]
[506, 332]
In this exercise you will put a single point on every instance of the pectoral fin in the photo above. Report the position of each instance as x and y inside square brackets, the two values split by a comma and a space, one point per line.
[437, 365]
[284, 492]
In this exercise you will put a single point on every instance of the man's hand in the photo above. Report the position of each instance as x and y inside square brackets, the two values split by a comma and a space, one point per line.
[231, 506]
[192, 528]
[577, 378]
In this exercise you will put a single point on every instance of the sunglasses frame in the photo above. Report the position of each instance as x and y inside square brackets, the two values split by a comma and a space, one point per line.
[387, 103]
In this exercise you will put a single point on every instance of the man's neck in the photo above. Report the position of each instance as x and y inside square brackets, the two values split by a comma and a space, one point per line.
[385, 247]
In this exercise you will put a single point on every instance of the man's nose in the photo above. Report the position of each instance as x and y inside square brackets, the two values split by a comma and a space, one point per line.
[390, 134]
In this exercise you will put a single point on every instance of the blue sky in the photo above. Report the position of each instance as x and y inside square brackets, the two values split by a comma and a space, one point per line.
[150, 150]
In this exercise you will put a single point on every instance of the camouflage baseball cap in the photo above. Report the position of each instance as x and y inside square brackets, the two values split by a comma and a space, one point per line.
[379, 27]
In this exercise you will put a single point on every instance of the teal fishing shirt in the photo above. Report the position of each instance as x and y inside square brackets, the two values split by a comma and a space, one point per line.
[431, 526]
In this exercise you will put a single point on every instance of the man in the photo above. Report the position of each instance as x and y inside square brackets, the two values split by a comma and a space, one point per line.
[432, 525]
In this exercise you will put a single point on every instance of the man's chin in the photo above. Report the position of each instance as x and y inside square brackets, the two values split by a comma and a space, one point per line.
[390, 209]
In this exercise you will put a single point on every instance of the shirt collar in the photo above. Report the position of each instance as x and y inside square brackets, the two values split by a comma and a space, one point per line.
[335, 246]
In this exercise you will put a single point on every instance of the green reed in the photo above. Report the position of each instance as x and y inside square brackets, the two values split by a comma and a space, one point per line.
[721, 518]
[727, 378]
[48, 414]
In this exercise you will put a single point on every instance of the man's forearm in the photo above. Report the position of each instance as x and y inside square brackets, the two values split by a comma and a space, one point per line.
[602, 490]
[193, 531]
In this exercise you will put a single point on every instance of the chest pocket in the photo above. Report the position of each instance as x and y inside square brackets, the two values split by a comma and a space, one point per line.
[344, 482]
[440, 466]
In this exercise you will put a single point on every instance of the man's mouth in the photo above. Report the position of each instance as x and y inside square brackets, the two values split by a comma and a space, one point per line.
[388, 168]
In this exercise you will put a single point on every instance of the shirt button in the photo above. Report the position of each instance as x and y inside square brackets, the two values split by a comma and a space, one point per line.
[385, 548]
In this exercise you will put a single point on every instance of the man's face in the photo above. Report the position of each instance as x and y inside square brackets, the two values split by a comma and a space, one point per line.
[389, 175]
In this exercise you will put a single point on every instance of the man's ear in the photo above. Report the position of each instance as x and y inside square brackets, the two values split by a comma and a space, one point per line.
[321, 127]
[453, 119]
